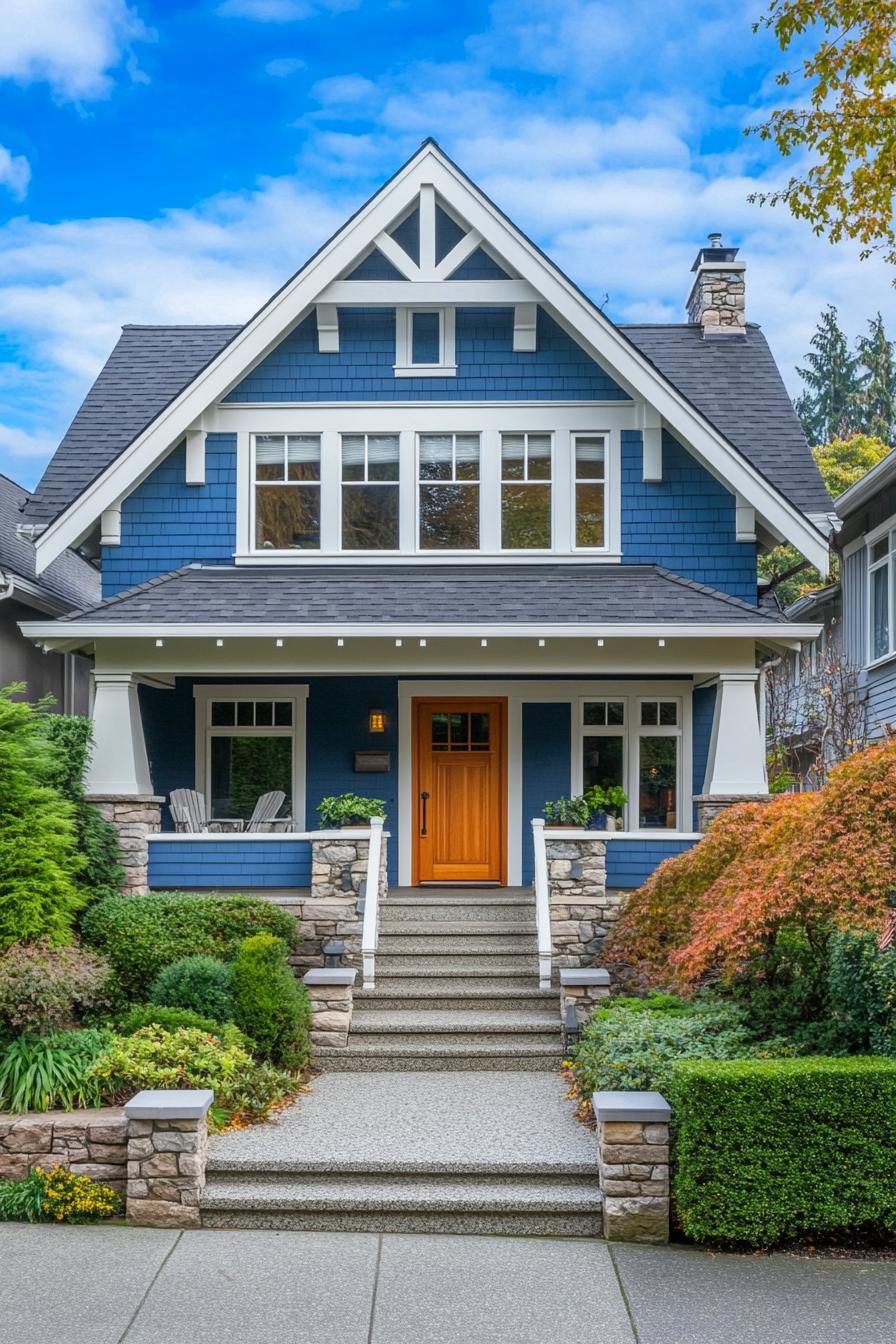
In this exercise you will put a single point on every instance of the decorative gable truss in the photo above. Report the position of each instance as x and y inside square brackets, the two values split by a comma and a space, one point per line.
[414, 247]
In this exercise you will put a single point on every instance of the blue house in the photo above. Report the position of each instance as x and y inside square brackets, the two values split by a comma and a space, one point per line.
[430, 527]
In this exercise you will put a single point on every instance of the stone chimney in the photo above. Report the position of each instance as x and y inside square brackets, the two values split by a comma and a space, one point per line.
[716, 301]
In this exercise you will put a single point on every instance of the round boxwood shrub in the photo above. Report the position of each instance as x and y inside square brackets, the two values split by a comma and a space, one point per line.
[202, 984]
[270, 1005]
[170, 1019]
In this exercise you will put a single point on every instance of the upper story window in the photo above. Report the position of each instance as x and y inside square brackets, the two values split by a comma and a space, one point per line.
[590, 464]
[287, 492]
[526, 492]
[370, 492]
[881, 626]
[424, 342]
[448, 492]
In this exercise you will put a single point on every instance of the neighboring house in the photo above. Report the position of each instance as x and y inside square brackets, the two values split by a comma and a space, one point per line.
[432, 528]
[813, 705]
[67, 583]
[867, 542]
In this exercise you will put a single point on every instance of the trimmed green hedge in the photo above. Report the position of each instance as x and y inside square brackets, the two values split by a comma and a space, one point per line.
[770, 1149]
[141, 935]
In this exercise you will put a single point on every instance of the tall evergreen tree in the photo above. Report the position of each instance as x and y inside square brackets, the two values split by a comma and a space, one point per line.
[877, 371]
[828, 406]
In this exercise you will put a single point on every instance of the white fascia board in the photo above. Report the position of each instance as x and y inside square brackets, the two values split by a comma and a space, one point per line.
[867, 486]
[779, 631]
[423, 293]
[541, 281]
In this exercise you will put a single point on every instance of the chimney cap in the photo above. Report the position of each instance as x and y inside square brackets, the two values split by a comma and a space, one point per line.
[714, 252]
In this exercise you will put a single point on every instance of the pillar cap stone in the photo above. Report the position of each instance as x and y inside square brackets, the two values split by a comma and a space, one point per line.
[125, 798]
[170, 1104]
[644, 1107]
[584, 975]
[330, 975]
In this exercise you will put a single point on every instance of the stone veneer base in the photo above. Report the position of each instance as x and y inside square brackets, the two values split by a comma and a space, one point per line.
[135, 819]
[709, 806]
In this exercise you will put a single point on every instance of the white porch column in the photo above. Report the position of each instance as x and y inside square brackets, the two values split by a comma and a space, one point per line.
[736, 762]
[118, 765]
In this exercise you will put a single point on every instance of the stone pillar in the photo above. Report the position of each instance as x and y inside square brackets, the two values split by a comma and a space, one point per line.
[710, 805]
[584, 989]
[331, 992]
[582, 912]
[118, 764]
[135, 818]
[633, 1160]
[167, 1149]
[338, 867]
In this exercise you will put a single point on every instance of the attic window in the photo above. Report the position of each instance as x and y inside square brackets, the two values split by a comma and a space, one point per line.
[424, 343]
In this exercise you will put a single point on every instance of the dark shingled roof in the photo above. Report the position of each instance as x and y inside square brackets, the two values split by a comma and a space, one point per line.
[68, 582]
[552, 594]
[734, 383]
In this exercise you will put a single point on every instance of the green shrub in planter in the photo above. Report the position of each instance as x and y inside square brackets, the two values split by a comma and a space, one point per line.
[770, 1149]
[568, 812]
[202, 984]
[142, 934]
[157, 1015]
[270, 1004]
[347, 809]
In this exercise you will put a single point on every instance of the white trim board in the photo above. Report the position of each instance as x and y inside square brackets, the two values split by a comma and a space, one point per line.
[561, 299]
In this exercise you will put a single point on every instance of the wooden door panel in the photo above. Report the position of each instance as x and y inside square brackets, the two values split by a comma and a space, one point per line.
[459, 755]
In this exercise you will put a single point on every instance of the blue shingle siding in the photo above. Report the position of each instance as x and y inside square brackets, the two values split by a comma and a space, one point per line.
[487, 367]
[479, 266]
[630, 862]
[704, 708]
[407, 235]
[247, 864]
[448, 234]
[685, 522]
[375, 267]
[547, 748]
[166, 523]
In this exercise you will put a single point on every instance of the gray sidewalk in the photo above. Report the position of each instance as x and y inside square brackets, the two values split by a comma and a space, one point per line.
[105, 1285]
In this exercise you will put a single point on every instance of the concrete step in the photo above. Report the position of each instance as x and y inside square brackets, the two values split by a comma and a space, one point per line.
[435, 1021]
[497, 942]
[441, 892]
[537, 1206]
[447, 995]
[467, 1054]
[471, 928]
[416, 975]
[483, 964]
[451, 912]
[431, 1041]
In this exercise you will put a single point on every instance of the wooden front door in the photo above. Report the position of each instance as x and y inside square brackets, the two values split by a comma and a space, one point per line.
[459, 790]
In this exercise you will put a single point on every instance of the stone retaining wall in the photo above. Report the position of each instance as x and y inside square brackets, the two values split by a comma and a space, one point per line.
[135, 819]
[330, 910]
[582, 910]
[87, 1143]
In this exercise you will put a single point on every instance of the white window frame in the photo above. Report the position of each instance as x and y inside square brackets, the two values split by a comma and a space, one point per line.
[633, 695]
[886, 531]
[551, 482]
[399, 484]
[205, 694]
[609, 485]
[446, 365]
[253, 486]
[478, 483]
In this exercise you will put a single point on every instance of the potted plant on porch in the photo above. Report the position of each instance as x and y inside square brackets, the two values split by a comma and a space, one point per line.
[348, 809]
[606, 806]
[574, 812]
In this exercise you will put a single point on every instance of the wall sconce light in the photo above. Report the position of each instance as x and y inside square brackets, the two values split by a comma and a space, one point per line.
[377, 721]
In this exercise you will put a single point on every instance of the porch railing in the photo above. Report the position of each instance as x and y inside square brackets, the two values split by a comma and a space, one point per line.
[370, 930]
[542, 904]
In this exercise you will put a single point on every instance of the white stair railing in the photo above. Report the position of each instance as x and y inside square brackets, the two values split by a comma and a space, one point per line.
[542, 903]
[370, 931]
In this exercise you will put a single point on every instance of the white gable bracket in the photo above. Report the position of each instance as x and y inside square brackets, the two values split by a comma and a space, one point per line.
[525, 317]
[327, 329]
[745, 520]
[110, 525]
[651, 444]
[195, 455]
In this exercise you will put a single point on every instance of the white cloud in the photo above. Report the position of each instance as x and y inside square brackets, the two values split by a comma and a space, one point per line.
[72, 45]
[284, 66]
[15, 173]
[281, 11]
[343, 89]
[21, 443]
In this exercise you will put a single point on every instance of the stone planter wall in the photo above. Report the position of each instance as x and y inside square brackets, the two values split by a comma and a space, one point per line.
[338, 867]
[582, 912]
[167, 1153]
[633, 1161]
[135, 819]
[331, 992]
[87, 1143]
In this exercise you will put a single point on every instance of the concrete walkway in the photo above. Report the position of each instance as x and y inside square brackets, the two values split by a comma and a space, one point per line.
[108, 1285]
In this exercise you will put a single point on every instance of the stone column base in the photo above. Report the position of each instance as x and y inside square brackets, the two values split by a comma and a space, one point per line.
[709, 805]
[167, 1151]
[331, 992]
[135, 818]
[582, 911]
[633, 1160]
[583, 988]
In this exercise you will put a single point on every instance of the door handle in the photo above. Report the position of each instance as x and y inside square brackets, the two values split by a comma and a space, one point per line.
[425, 799]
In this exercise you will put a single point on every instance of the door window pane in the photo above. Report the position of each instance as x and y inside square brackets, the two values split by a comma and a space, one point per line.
[525, 492]
[448, 492]
[370, 492]
[880, 611]
[658, 782]
[602, 760]
[243, 768]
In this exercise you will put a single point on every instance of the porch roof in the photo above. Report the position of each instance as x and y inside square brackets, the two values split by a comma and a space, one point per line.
[380, 596]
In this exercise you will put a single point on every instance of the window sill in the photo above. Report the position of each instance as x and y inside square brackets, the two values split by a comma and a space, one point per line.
[425, 370]
[881, 662]
[425, 557]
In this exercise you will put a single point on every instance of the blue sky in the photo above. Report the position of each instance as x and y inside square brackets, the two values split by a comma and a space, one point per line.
[175, 162]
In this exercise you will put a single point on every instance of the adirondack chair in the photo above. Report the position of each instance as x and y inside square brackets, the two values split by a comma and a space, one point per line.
[189, 810]
[266, 809]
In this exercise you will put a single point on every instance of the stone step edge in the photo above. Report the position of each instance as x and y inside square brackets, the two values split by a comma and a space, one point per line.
[420, 1026]
[411, 1198]
[434, 1049]
[246, 1168]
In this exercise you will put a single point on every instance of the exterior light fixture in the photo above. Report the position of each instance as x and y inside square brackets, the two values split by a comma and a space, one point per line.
[600, 643]
[340, 643]
[483, 643]
[279, 643]
[220, 643]
[423, 643]
[661, 643]
[333, 950]
[541, 643]
[376, 721]
[398, 643]
[160, 643]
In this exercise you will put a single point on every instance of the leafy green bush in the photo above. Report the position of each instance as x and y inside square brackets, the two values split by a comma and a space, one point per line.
[862, 993]
[44, 1073]
[202, 984]
[270, 1005]
[630, 1051]
[142, 934]
[770, 1149]
[648, 1003]
[44, 988]
[186, 1058]
[348, 809]
[57, 1197]
[97, 840]
[568, 812]
[39, 862]
[155, 1015]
